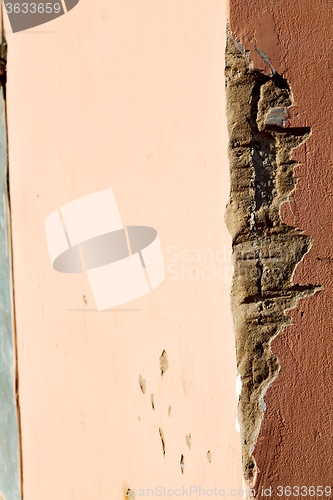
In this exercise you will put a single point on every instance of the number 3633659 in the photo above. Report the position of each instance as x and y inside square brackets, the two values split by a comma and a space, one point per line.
[33, 8]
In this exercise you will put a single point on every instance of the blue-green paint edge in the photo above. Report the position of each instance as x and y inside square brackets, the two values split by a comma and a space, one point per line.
[10, 487]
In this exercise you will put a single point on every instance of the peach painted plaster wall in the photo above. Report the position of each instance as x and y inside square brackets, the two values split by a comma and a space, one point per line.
[128, 95]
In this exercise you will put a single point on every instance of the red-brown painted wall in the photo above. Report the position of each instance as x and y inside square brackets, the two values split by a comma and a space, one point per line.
[294, 445]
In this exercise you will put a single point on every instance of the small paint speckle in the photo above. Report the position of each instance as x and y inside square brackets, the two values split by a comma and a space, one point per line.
[84, 299]
[209, 456]
[169, 411]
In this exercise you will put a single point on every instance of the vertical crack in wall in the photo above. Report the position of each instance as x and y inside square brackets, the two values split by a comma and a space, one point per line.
[265, 251]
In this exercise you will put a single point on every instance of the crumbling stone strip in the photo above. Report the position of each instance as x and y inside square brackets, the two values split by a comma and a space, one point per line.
[266, 251]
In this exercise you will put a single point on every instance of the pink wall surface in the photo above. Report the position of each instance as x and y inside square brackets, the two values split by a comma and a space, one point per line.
[128, 95]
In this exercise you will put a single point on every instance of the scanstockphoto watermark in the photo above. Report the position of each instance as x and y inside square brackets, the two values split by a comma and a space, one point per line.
[185, 492]
[198, 264]
[209, 264]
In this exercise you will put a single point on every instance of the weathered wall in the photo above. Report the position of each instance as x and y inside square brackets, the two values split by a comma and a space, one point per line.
[128, 95]
[294, 445]
[266, 251]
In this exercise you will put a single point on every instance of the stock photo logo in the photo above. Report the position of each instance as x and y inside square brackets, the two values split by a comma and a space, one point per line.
[27, 14]
[122, 263]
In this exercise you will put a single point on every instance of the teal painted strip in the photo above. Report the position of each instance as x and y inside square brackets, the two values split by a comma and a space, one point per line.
[9, 428]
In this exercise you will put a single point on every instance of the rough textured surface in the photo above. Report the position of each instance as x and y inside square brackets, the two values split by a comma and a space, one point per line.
[266, 251]
[294, 445]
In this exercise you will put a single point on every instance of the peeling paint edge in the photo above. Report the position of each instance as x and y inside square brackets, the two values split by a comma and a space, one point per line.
[251, 482]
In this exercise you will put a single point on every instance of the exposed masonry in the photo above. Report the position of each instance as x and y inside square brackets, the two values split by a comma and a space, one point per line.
[266, 251]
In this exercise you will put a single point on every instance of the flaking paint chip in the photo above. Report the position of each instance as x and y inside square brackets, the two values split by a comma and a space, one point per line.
[142, 384]
[162, 440]
[182, 463]
[164, 363]
[189, 440]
